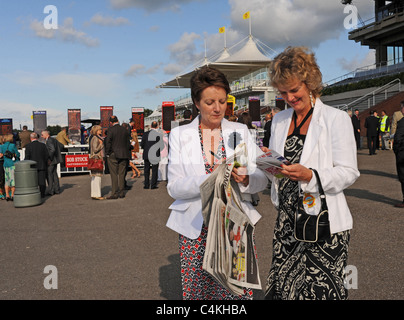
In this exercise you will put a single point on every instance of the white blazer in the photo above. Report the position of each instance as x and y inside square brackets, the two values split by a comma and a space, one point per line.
[186, 172]
[329, 148]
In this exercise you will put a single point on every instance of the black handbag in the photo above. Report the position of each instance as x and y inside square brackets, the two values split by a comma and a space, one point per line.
[9, 154]
[312, 228]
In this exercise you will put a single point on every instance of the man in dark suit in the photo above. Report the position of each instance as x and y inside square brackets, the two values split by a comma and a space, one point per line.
[267, 126]
[152, 143]
[37, 151]
[117, 150]
[372, 125]
[398, 147]
[187, 117]
[55, 157]
[356, 123]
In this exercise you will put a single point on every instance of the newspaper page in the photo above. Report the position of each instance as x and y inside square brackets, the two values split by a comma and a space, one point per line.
[241, 253]
[207, 189]
[221, 209]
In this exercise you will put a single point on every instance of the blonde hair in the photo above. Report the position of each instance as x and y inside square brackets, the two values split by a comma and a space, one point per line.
[133, 135]
[94, 130]
[296, 62]
[8, 138]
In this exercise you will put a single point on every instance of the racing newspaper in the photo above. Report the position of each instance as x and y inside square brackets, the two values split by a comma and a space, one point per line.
[230, 255]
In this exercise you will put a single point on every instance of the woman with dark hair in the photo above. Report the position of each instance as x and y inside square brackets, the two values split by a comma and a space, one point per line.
[196, 149]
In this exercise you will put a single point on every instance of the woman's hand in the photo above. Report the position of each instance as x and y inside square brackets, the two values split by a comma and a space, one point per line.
[296, 172]
[240, 175]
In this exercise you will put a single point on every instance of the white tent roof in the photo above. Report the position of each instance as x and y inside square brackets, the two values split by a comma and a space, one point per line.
[156, 113]
[247, 60]
[225, 54]
[248, 53]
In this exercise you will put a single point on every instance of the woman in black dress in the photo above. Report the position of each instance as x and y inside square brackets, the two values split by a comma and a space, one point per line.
[309, 134]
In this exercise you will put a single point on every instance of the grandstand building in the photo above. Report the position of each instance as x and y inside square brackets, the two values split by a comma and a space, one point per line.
[379, 86]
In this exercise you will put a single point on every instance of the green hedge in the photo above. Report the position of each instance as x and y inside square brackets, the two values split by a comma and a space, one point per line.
[377, 82]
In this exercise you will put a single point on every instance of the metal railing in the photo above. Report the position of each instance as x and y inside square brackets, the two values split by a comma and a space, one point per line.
[370, 71]
[370, 99]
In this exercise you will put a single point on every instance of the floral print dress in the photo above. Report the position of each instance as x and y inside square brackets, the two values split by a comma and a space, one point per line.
[197, 284]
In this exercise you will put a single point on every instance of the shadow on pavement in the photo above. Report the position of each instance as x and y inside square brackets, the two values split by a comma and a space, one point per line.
[170, 279]
[367, 195]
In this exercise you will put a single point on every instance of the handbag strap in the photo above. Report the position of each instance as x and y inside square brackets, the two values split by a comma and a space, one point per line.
[320, 189]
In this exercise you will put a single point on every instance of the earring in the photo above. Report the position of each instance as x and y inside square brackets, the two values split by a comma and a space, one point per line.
[311, 99]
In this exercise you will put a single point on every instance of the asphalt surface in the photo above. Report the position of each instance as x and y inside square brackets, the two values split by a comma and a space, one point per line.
[121, 249]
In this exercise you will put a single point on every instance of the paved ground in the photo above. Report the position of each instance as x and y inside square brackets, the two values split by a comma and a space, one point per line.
[121, 249]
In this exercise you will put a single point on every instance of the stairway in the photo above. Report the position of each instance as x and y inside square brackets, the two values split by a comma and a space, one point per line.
[389, 105]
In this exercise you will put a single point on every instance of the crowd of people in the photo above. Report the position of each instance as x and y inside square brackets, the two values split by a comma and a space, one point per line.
[47, 155]
[380, 129]
[383, 133]
[117, 151]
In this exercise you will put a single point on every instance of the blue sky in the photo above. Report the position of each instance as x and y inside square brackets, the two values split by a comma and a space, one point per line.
[115, 52]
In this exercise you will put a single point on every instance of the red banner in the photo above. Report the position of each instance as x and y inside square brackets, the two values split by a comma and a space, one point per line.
[76, 160]
[138, 119]
[105, 114]
[74, 122]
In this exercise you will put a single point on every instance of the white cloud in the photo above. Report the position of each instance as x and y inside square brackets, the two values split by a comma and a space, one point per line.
[173, 68]
[139, 69]
[183, 53]
[150, 5]
[280, 23]
[357, 61]
[276, 23]
[21, 114]
[101, 20]
[154, 28]
[135, 70]
[65, 33]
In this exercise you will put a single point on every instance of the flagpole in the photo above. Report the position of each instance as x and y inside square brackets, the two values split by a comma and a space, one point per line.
[250, 24]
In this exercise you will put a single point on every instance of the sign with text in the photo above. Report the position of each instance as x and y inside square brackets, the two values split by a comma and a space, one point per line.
[105, 113]
[39, 121]
[6, 126]
[76, 160]
[74, 122]
[138, 119]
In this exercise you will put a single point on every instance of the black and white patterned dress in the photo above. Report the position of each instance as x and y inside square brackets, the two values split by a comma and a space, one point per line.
[301, 270]
[197, 284]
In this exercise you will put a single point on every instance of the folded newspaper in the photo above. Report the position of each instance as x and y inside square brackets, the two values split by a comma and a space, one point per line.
[230, 255]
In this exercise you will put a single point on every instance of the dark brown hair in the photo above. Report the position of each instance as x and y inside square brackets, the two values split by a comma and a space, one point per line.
[206, 77]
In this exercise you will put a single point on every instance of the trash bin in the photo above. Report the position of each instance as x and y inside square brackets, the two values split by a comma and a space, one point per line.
[26, 193]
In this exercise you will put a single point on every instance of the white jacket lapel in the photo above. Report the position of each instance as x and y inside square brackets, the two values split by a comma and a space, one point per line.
[314, 132]
[189, 136]
[279, 139]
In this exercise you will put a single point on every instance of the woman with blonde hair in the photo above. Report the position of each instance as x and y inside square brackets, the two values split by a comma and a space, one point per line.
[310, 135]
[135, 151]
[96, 152]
